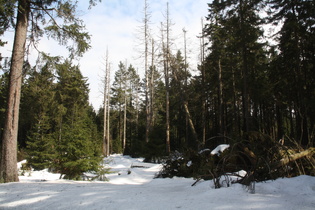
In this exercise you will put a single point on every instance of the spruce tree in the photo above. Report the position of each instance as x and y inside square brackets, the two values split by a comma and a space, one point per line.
[42, 18]
[76, 147]
[294, 66]
[234, 63]
[36, 114]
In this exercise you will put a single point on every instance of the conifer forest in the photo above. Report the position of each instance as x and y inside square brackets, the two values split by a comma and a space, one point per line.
[251, 89]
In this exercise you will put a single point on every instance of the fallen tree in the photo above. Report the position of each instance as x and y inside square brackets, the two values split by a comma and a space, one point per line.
[298, 155]
[260, 156]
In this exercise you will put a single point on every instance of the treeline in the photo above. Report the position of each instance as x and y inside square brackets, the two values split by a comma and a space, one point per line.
[253, 85]
[249, 82]
[245, 85]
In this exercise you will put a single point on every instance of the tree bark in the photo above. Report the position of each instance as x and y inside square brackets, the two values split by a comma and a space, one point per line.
[285, 160]
[146, 52]
[168, 141]
[106, 103]
[245, 95]
[8, 165]
[152, 115]
[221, 108]
[203, 79]
[108, 114]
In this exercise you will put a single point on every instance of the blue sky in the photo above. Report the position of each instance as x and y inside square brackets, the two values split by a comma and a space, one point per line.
[115, 24]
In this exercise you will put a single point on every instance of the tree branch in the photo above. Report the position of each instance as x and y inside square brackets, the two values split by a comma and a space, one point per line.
[296, 156]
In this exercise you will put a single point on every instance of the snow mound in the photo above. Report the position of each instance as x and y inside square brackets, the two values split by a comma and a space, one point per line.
[219, 149]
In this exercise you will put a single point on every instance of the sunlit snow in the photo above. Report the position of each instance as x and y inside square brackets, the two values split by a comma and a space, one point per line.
[132, 186]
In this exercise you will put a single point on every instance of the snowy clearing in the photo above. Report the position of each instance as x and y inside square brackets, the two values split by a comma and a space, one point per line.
[132, 186]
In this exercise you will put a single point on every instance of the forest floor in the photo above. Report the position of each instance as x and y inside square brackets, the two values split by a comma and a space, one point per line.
[132, 186]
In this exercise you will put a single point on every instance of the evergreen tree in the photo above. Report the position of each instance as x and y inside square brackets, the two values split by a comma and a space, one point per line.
[294, 67]
[132, 93]
[124, 93]
[77, 148]
[6, 14]
[42, 17]
[36, 114]
[179, 99]
[117, 103]
[4, 80]
[155, 148]
[235, 63]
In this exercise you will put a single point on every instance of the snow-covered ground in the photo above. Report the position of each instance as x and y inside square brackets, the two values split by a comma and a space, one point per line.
[134, 188]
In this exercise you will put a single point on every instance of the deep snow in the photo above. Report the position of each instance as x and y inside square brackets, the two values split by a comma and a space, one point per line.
[138, 190]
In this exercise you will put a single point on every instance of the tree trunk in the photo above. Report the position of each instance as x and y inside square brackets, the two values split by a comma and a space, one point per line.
[137, 109]
[147, 101]
[245, 95]
[185, 87]
[8, 165]
[152, 115]
[203, 76]
[293, 157]
[168, 142]
[221, 112]
[125, 123]
[108, 115]
[187, 112]
[105, 107]
[166, 64]
[125, 108]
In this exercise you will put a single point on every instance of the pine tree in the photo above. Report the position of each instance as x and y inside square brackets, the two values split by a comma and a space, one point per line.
[36, 111]
[295, 65]
[235, 58]
[77, 148]
[8, 170]
[179, 96]
[124, 94]
[4, 80]
[117, 102]
[132, 92]
[62, 25]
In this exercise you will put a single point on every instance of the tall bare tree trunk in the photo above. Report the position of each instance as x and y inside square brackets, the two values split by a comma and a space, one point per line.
[185, 84]
[166, 69]
[221, 105]
[137, 109]
[108, 113]
[125, 120]
[203, 76]
[125, 106]
[152, 86]
[146, 43]
[8, 164]
[106, 106]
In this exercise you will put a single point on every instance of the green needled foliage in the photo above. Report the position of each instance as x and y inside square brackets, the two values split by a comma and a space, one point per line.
[62, 133]
[36, 121]
[77, 149]
[246, 91]
[56, 18]
[293, 66]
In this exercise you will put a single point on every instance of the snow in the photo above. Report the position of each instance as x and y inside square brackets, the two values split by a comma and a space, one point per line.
[219, 149]
[132, 186]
